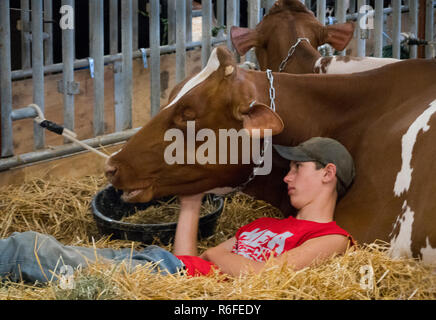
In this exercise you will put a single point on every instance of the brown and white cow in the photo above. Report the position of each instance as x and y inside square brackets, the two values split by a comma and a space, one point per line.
[280, 29]
[385, 117]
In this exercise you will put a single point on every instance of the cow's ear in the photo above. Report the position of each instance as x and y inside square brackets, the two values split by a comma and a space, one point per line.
[338, 35]
[243, 39]
[261, 117]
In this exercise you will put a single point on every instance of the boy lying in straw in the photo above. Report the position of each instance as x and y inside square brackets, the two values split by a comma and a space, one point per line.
[321, 170]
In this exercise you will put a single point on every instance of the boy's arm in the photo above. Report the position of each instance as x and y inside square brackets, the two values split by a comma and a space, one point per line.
[311, 251]
[185, 240]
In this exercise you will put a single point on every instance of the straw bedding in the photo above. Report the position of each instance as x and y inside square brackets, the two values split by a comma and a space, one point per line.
[61, 208]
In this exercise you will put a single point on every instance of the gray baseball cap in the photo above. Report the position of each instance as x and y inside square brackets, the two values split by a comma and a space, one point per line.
[324, 151]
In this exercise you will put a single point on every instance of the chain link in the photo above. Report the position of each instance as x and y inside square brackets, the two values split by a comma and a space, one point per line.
[290, 53]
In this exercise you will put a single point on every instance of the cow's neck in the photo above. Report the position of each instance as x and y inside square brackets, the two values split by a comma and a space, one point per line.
[319, 105]
[303, 60]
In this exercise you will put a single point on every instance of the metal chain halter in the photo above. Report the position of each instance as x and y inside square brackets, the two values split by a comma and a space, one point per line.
[290, 53]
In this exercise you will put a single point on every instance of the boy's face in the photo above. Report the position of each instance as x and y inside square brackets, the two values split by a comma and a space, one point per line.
[304, 183]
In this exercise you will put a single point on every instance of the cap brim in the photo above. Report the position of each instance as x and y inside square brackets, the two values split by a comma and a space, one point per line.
[293, 153]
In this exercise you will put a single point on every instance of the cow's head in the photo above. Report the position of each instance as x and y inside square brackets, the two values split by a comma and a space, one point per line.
[287, 21]
[219, 97]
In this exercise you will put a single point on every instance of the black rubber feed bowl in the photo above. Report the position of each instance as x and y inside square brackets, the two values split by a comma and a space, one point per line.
[108, 209]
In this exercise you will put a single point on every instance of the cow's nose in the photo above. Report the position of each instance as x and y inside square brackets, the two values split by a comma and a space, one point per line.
[110, 171]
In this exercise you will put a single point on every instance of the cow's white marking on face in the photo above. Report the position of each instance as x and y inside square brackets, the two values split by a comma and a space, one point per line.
[404, 177]
[212, 65]
[355, 64]
[428, 253]
[401, 245]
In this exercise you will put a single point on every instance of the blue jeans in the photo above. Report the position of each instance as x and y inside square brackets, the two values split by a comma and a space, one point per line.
[31, 256]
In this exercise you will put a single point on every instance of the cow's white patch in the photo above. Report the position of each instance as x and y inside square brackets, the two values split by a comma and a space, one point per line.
[404, 177]
[212, 65]
[355, 64]
[428, 253]
[401, 245]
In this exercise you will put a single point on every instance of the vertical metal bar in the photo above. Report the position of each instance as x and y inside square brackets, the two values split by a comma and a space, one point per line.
[181, 40]
[113, 26]
[97, 53]
[48, 28]
[127, 53]
[429, 22]
[7, 147]
[413, 25]
[253, 20]
[188, 20]
[206, 31]
[238, 12]
[172, 21]
[135, 13]
[231, 20]
[308, 4]
[353, 6]
[378, 28]
[321, 10]
[68, 56]
[25, 41]
[396, 28]
[220, 12]
[340, 15]
[38, 68]
[154, 57]
[361, 42]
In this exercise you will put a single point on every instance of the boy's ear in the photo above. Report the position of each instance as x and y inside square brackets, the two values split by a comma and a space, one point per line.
[330, 171]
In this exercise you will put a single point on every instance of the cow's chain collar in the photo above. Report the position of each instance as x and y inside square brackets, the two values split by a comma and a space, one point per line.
[290, 53]
[272, 96]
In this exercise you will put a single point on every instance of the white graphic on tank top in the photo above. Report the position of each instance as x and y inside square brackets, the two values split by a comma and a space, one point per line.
[259, 244]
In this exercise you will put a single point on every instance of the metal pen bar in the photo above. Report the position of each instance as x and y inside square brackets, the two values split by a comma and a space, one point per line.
[206, 31]
[7, 147]
[340, 15]
[154, 30]
[48, 29]
[127, 53]
[396, 29]
[113, 26]
[25, 41]
[135, 13]
[361, 42]
[413, 26]
[321, 11]
[268, 5]
[220, 8]
[38, 69]
[171, 9]
[68, 56]
[180, 41]
[97, 53]
[253, 20]
[188, 20]
[429, 23]
[308, 4]
[231, 20]
[378, 28]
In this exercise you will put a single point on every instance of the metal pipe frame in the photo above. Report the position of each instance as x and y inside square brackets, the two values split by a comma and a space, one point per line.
[68, 56]
[127, 53]
[180, 40]
[253, 20]
[25, 40]
[154, 57]
[48, 29]
[396, 30]
[7, 148]
[378, 26]
[96, 46]
[429, 23]
[38, 69]
[206, 31]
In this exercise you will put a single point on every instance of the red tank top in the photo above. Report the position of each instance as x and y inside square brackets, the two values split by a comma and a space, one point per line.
[265, 236]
